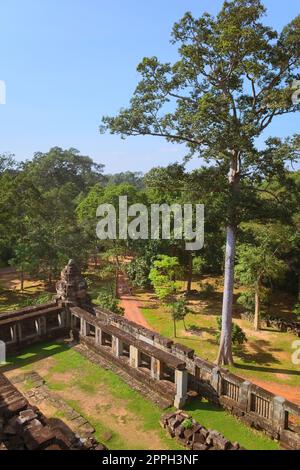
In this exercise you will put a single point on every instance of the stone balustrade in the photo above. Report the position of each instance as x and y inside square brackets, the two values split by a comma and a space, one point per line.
[169, 368]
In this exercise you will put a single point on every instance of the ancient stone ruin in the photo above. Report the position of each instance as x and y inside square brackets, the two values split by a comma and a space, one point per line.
[168, 369]
[72, 288]
[192, 435]
[24, 427]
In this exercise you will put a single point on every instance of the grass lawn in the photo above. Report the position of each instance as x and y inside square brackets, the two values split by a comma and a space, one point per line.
[123, 419]
[111, 406]
[266, 356]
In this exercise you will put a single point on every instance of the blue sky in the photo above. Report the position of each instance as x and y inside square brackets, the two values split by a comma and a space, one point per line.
[68, 62]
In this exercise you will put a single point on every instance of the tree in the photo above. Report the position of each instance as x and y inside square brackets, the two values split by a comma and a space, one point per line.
[138, 271]
[179, 311]
[233, 77]
[107, 300]
[258, 265]
[59, 166]
[86, 212]
[133, 178]
[163, 278]
[24, 260]
[86, 215]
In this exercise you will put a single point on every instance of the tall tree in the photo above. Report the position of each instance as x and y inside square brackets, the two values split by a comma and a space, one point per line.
[163, 279]
[233, 77]
[258, 265]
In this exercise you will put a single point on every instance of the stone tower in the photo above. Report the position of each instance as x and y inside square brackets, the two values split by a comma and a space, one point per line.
[72, 287]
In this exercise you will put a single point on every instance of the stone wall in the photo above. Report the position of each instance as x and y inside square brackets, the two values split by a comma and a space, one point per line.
[193, 435]
[252, 404]
[282, 324]
[24, 427]
[21, 328]
[166, 367]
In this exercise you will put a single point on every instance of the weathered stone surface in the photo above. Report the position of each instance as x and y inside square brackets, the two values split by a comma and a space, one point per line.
[195, 437]
[199, 446]
[72, 287]
[203, 377]
[29, 429]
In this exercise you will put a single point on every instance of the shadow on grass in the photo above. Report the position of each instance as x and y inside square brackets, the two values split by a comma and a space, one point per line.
[267, 369]
[198, 405]
[33, 354]
[258, 353]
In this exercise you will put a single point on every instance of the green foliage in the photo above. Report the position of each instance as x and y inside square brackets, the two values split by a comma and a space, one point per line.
[179, 310]
[163, 277]
[246, 299]
[232, 77]
[297, 310]
[41, 299]
[187, 423]
[198, 264]
[238, 335]
[216, 93]
[138, 271]
[106, 300]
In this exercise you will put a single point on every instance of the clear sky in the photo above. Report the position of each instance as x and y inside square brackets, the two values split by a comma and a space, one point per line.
[68, 62]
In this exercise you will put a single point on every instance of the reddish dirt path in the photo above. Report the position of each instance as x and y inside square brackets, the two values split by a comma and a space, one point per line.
[130, 303]
[286, 391]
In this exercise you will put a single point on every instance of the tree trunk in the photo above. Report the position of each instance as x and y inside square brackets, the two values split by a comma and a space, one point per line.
[184, 324]
[190, 273]
[174, 326]
[95, 261]
[117, 277]
[22, 279]
[257, 309]
[50, 278]
[117, 282]
[225, 351]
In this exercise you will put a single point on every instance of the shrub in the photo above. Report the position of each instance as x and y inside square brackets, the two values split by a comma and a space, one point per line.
[107, 300]
[187, 423]
[247, 300]
[297, 310]
[39, 300]
[179, 310]
[138, 272]
[238, 335]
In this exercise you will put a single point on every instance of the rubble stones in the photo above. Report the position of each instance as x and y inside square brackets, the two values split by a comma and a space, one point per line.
[197, 437]
[24, 427]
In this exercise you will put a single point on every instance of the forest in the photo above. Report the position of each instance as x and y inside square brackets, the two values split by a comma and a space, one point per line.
[49, 204]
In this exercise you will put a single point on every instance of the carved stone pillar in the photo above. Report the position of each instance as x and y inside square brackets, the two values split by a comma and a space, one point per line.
[181, 382]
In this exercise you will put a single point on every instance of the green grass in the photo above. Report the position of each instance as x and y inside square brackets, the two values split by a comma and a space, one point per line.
[268, 359]
[88, 377]
[213, 417]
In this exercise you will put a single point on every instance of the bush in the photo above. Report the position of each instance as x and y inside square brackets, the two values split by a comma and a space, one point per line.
[138, 272]
[187, 423]
[238, 335]
[108, 301]
[297, 310]
[32, 300]
[247, 300]
[179, 310]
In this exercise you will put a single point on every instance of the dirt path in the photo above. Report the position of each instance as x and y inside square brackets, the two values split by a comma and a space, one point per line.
[286, 391]
[130, 303]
